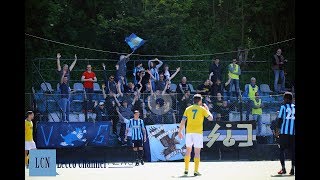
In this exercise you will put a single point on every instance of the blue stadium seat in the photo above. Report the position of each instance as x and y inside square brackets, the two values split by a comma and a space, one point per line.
[173, 87]
[279, 98]
[76, 105]
[245, 86]
[97, 91]
[265, 88]
[53, 105]
[191, 88]
[76, 101]
[46, 87]
[78, 96]
[265, 94]
[245, 96]
[233, 91]
[58, 89]
[40, 102]
[225, 94]
[78, 87]
[96, 87]
[97, 97]
[266, 98]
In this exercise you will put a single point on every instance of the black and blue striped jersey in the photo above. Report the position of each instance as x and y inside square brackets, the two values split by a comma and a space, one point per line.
[286, 119]
[136, 129]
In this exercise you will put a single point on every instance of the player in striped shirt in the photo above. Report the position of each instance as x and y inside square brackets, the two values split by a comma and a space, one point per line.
[195, 115]
[138, 135]
[29, 143]
[286, 131]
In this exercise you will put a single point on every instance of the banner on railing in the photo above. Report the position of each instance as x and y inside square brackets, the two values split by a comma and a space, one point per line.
[164, 143]
[73, 134]
[230, 133]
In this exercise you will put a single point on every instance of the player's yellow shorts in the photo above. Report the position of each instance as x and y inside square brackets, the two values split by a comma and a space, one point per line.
[194, 139]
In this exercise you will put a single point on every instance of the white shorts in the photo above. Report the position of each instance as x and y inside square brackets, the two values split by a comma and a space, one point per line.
[194, 139]
[30, 145]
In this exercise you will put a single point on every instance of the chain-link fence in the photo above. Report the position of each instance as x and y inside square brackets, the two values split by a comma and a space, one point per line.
[155, 108]
[159, 107]
[224, 108]
[195, 70]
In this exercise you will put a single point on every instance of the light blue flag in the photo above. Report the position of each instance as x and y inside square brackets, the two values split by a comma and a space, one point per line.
[134, 41]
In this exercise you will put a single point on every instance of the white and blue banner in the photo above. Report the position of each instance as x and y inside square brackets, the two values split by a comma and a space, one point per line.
[229, 133]
[134, 41]
[164, 143]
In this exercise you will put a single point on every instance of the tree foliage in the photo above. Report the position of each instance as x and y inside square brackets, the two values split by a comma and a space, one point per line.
[171, 27]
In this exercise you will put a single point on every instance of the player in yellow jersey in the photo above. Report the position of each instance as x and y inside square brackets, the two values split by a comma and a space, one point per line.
[29, 143]
[195, 115]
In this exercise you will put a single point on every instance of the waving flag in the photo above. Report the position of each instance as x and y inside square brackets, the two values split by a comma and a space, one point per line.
[134, 41]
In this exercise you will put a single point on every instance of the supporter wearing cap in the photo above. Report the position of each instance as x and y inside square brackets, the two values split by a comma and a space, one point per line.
[101, 112]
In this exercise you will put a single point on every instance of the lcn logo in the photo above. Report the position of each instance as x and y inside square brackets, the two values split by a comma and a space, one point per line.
[42, 162]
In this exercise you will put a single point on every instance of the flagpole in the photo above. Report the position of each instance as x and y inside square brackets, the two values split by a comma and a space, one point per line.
[131, 53]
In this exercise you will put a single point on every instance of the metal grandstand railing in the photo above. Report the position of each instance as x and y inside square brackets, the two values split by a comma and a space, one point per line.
[196, 70]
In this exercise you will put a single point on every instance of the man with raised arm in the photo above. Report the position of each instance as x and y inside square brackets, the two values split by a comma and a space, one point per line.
[66, 68]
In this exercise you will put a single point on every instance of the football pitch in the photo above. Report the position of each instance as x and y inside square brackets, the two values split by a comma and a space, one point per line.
[220, 170]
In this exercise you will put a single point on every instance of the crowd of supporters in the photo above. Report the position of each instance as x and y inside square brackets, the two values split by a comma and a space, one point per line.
[153, 94]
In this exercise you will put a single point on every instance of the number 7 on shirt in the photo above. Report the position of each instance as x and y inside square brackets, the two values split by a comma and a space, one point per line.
[194, 112]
